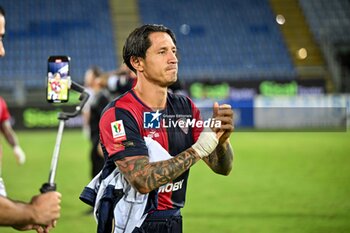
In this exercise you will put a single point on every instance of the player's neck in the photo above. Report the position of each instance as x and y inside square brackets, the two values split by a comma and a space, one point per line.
[152, 95]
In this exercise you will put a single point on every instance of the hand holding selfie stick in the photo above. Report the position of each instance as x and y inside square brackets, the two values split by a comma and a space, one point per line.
[63, 116]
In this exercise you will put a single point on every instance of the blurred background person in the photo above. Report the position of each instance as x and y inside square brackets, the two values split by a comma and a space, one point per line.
[121, 80]
[102, 87]
[11, 137]
[90, 75]
[101, 98]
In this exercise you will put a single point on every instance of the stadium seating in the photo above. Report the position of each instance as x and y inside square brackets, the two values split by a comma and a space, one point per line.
[328, 20]
[223, 39]
[37, 29]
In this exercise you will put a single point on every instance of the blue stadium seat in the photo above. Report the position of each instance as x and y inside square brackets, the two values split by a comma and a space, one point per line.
[328, 20]
[225, 38]
[37, 29]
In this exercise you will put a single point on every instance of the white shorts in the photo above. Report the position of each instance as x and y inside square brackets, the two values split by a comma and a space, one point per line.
[2, 188]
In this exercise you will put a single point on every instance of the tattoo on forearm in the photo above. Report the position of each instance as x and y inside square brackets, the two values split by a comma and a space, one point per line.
[150, 176]
[221, 159]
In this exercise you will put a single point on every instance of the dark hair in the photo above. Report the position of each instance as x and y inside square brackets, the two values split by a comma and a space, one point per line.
[2, 11]
[138, 42]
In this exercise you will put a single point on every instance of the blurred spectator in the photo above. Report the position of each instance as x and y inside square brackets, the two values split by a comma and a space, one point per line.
[90, 75]
[101, 98]
[121, 80]
[11, 137]
[102, 87]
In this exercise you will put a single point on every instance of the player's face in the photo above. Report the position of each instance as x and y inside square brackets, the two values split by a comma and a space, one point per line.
[160, 64]
[2, 33]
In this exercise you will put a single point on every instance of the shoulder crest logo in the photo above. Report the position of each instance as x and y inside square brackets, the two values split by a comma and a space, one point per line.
[118, 130]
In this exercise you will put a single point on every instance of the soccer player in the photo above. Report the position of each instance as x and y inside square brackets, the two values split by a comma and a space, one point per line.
[150, 51]
[44, 209]
[56, 87]
[11, 137]
[5, 124]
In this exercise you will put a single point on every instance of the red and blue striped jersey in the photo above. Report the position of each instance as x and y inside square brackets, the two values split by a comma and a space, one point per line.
[127, 120]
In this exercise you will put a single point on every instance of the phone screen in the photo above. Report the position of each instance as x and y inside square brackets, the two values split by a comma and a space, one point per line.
[58, 79]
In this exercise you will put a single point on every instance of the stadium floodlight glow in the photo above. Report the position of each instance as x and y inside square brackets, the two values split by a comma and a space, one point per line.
[185, 29]
[302, 53]
[280, 19]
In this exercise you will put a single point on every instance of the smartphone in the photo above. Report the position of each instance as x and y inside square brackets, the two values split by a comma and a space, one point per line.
[58, 79]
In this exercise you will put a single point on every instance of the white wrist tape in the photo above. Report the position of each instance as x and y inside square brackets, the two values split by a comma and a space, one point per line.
[205, 144]
[19, 154]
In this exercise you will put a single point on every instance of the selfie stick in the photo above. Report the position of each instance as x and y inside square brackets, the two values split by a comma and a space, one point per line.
[62, 117]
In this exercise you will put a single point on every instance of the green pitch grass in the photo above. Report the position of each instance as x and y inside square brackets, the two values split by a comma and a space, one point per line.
[281, 182]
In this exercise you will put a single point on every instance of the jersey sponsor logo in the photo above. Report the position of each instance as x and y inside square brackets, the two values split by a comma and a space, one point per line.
[151, 119]
[153, 134]
[118, 130]
[182, 124]
[170, 187]
[186, 123]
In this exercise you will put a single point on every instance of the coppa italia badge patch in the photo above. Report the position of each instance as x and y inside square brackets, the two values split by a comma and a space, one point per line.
[118, 130]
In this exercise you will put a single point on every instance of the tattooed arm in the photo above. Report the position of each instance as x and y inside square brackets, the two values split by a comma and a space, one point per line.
[145, 176]
[221, 159]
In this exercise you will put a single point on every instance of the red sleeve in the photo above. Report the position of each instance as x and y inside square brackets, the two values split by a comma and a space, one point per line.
[4, 112]
[112, 132]
[120, 134]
